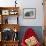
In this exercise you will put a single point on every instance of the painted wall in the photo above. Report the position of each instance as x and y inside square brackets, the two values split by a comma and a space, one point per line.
[27, 4]
[39, 13]
[7, 3]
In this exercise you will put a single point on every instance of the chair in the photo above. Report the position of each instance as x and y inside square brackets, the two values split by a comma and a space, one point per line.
[28, 35]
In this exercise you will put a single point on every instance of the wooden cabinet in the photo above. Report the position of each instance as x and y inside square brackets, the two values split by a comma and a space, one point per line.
[9, 22]
[10, 43]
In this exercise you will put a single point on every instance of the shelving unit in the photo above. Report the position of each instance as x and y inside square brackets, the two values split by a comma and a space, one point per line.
[9, 23]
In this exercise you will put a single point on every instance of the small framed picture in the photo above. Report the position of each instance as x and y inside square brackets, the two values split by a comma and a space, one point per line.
[5, 12]
[29, 13]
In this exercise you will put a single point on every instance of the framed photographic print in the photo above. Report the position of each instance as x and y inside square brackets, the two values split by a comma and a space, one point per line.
[29, 13]
[5, 12]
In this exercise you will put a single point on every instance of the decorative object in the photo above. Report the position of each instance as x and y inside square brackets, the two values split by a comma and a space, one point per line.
[6, 21]
[15, 3]
[29, 13]
[15, 37]
[15, 30]
[31, 41]
[7, 34]
[5, 12]
[13, 12]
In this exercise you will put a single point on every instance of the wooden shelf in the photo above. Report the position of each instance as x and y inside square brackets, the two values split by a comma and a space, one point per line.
[4, 13]
[11, 26]
[10, 43]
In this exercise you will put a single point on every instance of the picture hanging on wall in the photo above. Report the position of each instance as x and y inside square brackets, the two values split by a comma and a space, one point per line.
[29, 13]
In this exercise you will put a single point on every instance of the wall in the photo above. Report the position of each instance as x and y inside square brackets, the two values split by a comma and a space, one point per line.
[7, 3]
[27, 4]
[39, 13]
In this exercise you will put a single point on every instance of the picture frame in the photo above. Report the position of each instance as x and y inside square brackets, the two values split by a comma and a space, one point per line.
[5, 12]
[29, 13]
[13, 12]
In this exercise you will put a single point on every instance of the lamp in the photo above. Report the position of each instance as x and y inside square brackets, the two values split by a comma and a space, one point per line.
[15, 37]
[15, 30]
